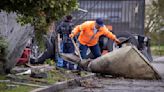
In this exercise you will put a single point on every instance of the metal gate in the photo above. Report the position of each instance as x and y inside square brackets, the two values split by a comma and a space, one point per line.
[123, 15]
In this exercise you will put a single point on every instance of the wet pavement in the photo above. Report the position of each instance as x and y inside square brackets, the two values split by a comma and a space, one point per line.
[158, 64]
[158, 59]
[119, 85]
[159, 67]
[107, 84]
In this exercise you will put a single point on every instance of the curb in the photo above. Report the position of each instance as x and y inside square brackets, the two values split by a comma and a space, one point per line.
[63, 85]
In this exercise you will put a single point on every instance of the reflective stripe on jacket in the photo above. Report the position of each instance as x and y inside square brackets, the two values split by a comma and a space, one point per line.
[87, 36]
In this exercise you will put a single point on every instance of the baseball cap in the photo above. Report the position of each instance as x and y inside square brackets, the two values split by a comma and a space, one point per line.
[100, 22]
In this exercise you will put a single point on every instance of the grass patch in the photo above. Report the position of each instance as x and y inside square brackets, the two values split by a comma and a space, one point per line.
[5, 88]
[9, 87]
[53, 76]
[2, 77]
[156, 50]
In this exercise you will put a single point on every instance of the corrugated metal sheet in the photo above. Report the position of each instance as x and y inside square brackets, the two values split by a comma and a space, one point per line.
[123, 15]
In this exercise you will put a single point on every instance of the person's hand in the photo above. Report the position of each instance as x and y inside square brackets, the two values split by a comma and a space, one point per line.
[71, 35]
[117, 41]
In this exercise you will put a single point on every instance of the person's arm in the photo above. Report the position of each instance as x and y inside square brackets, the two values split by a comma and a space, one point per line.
[111, 36]
[77, 29]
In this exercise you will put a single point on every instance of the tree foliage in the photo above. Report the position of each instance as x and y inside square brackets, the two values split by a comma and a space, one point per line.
[161, 7]
[154, 22]
[39, 13]
[154, 16]
[3, 46]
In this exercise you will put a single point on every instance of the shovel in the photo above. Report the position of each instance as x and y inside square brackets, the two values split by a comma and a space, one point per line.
[83, 62]
[77, 49]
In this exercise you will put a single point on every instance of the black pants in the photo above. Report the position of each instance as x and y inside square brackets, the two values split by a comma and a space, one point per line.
[68, 48]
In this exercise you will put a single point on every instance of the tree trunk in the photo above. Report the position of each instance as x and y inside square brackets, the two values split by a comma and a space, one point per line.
[125, 62]
[16, 37]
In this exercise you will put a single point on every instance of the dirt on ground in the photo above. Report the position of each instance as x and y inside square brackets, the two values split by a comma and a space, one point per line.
[109, 84]
[26, 82]
[102, 84]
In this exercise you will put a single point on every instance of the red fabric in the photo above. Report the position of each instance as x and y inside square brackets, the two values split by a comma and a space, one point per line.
[25, 56]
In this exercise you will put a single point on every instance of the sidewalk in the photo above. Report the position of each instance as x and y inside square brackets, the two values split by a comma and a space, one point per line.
[158, 59]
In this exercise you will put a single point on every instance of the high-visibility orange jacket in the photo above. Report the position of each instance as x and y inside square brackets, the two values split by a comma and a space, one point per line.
[87, 35]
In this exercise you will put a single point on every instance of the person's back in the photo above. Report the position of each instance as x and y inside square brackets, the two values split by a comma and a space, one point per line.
[64, 30]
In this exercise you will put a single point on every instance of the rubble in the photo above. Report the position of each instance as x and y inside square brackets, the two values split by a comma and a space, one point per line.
[38, 76]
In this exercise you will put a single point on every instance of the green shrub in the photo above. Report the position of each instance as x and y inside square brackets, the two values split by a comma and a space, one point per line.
[3, 47]
[157, 50]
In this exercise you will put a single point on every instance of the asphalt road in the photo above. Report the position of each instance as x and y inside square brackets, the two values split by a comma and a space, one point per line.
[118, 85]
[158, 59]
[101, 84]
[158, 64]
[159, 67]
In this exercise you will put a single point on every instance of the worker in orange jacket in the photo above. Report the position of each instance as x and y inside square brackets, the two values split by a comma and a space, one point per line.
[90, 31]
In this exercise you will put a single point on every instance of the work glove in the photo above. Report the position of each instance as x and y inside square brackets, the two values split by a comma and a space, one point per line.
[124, 41]
[117, 41]
[71, 35]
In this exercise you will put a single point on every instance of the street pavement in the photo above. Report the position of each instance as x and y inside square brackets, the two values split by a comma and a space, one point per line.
[119, 85]
[158, 59]
[158, 64]
[106, 84]
[159, 67]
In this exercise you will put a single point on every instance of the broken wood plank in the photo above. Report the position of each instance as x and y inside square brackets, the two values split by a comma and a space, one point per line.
[28, 84]
[20, 83]
[4, 81]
